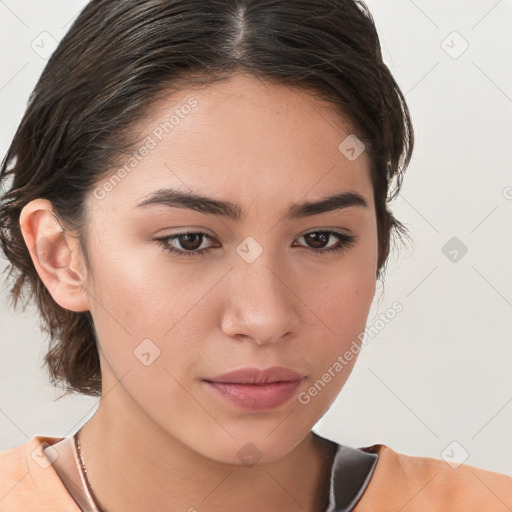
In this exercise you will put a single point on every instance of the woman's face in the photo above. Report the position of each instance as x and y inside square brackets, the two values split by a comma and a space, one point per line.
[264, 292]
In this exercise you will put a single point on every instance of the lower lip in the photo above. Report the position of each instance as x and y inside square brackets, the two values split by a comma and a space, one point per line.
[254, 397]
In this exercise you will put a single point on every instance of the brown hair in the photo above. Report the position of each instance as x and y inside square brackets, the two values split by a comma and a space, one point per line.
[120, 57]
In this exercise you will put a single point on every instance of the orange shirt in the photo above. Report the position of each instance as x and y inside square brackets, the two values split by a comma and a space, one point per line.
[405, 483]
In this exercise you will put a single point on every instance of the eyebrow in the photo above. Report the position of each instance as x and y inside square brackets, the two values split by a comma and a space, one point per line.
[188, 200]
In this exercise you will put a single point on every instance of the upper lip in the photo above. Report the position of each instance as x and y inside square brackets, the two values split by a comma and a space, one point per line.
[258, 376]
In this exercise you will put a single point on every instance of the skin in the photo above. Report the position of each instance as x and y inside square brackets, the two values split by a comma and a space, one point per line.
[157, 427]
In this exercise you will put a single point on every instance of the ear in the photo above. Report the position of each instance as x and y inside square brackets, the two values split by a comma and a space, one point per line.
[55, 255]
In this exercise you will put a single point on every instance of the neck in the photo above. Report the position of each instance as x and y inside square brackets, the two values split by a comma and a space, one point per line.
[133, 465]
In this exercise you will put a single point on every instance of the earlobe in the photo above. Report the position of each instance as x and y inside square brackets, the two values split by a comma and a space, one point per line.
[55, 255]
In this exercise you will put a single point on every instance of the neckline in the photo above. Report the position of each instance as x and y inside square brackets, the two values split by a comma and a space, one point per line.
[67, 467]
[350, 474]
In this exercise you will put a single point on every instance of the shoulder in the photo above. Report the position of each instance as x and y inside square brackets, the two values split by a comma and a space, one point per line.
[28, 480]
[412, 484]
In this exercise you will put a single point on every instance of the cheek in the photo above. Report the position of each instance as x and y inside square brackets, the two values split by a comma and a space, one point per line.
[135, 289]
[342, 296]
[341, 304]
[342, 312]
[146, 310]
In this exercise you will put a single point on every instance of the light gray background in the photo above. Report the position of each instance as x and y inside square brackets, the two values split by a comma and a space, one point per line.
[441, 370]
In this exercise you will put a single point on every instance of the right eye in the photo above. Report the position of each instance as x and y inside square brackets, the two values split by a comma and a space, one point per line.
[190, 242]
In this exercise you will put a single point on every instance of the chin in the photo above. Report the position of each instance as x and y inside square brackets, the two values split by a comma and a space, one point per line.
[247, 449]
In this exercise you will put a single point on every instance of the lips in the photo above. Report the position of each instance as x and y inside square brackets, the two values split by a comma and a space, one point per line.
[257, 376]
[254, 389]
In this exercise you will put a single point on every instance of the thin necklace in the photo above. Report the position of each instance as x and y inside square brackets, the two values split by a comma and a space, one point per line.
[84, 473]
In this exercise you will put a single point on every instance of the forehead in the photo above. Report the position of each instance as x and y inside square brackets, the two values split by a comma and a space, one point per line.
[245, 138]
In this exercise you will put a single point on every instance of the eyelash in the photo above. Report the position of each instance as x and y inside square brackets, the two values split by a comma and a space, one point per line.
[345, 240]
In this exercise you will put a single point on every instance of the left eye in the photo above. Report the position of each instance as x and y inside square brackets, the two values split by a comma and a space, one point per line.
[321, 237]
[191, 242]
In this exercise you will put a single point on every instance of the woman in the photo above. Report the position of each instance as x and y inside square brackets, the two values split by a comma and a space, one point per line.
[199, 207]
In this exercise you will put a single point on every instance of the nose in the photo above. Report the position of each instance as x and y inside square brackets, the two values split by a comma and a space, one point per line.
[262, 307]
